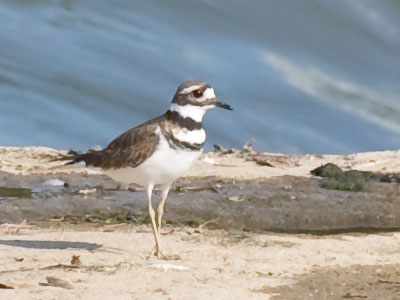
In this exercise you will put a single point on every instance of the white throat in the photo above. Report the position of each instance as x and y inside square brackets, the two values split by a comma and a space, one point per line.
[190, 111]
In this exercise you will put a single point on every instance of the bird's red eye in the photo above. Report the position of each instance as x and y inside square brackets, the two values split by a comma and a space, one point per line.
[197, 93]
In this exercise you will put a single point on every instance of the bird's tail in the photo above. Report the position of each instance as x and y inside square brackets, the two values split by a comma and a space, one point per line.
[90, 158]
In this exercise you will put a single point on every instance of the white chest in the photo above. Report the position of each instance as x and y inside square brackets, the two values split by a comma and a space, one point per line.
[197, 136]
[164, 166]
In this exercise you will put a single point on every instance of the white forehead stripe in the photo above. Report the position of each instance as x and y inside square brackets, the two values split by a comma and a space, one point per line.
[208, 94]
[190, 89]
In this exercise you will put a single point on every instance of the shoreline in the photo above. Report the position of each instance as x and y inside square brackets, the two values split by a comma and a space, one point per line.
[68, 231]
[234, 191]
[227, 164]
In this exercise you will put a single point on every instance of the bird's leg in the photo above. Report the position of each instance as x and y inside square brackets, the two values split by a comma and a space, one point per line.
[160, 208]
[149, 190]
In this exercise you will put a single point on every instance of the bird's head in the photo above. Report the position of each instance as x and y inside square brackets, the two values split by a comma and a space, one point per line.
[193, 98]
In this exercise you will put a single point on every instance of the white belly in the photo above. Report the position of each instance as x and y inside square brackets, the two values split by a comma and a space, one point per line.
[164, 166]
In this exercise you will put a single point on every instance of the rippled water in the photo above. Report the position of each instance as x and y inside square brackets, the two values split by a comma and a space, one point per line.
[303, 76]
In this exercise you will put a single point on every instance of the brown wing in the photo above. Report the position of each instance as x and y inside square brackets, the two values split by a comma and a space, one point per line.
[130, 149]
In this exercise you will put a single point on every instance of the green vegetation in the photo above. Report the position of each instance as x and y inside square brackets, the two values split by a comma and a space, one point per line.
[336, 179]
[15, 192]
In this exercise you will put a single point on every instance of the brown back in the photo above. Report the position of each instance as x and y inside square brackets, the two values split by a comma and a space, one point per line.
[130, 149]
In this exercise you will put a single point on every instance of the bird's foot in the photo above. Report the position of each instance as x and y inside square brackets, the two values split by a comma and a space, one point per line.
[156, 252]
[160, 255]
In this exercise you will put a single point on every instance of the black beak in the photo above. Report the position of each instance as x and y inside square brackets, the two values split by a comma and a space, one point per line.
[223, 105]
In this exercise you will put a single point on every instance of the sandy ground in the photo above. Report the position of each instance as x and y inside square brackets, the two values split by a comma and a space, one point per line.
[114, 264]
[31, 160]
[42, 263]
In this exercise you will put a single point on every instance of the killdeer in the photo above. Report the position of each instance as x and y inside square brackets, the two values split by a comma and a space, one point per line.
[160, 150]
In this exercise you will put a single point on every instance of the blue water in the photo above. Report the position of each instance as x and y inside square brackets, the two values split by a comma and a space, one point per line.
[303, 76]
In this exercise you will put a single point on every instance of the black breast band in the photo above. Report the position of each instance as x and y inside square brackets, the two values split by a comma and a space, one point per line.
[187, 123]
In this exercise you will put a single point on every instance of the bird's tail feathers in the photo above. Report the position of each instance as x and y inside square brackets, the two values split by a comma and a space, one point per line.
[90, 158]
